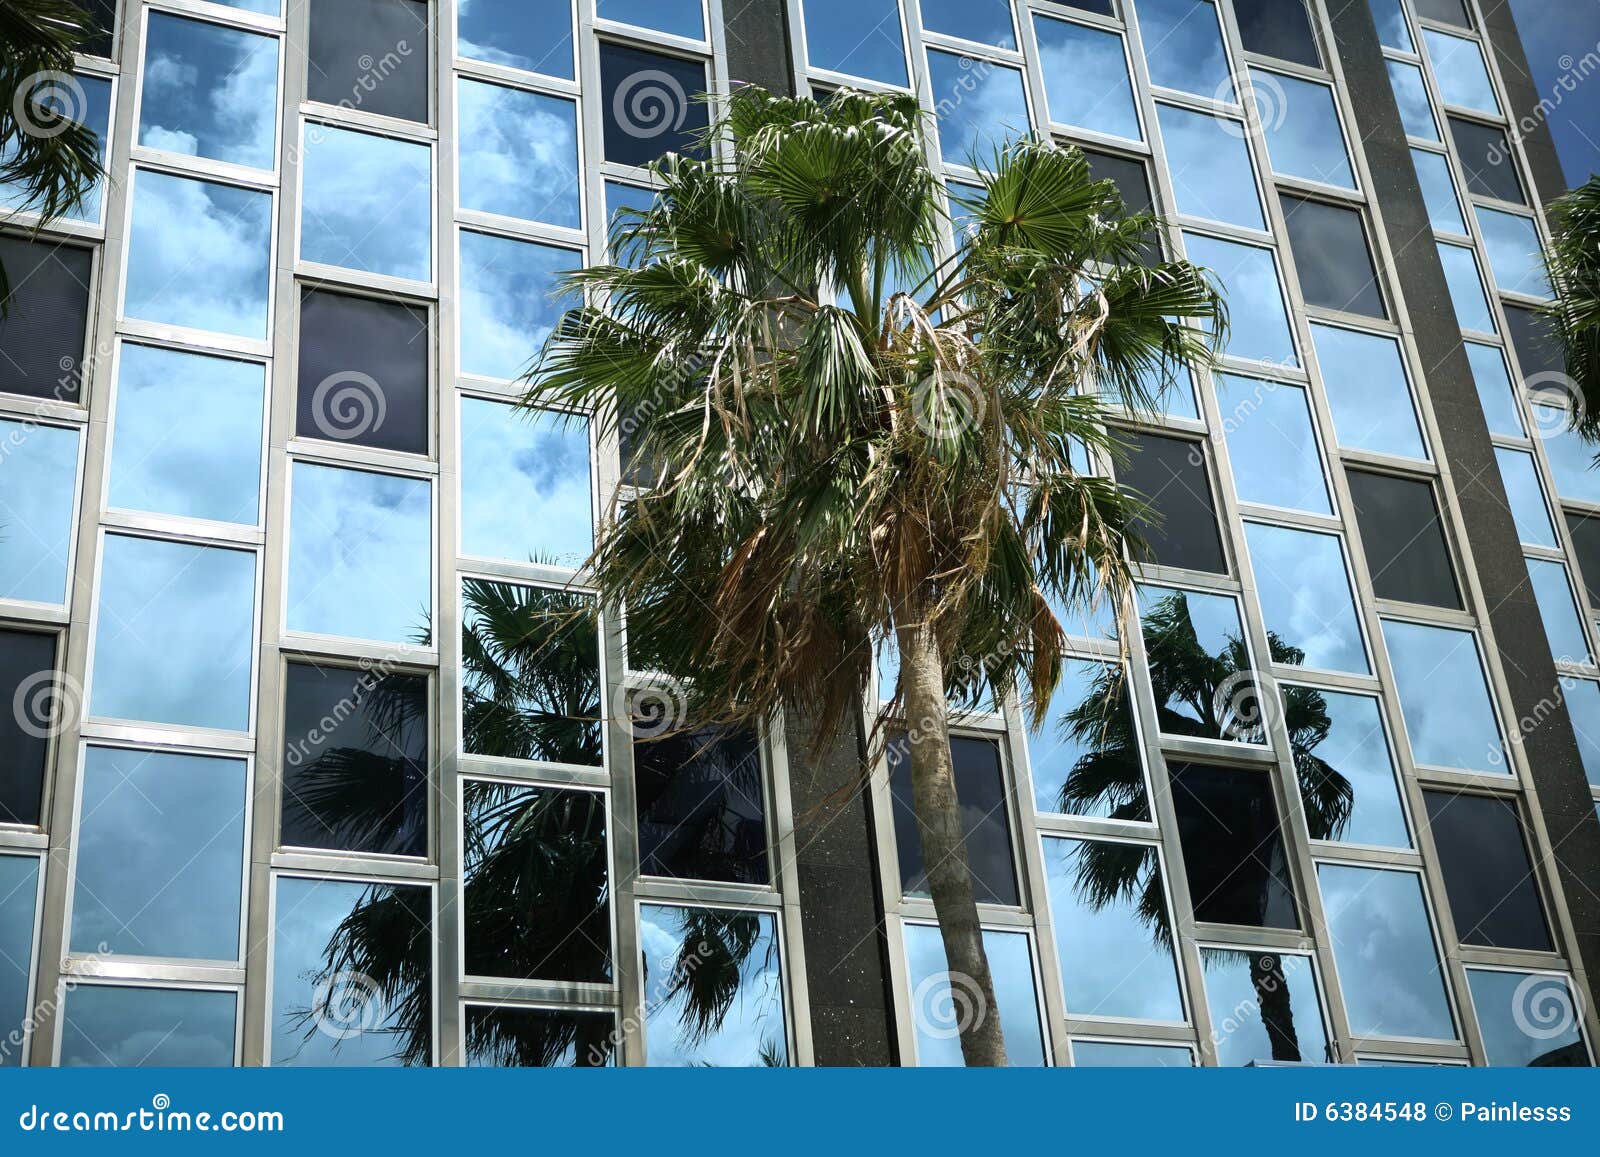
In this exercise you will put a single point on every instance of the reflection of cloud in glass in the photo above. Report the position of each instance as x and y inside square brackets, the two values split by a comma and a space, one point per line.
[533, 35]
[856, 37]
[1122, 1055]
[1495, 395]
[519, 153]
[1562, 626]
[988, 23]
[1525, 497]
[367, 203]
[1304, 588]
[1527, 1019]
[1515, 256]
[940, 1002]
[1302, 128]
[1210, 165]
[1582, 700]
[1352, 743]
[19, 885]
[1271, 444]
[980, 106]
[1263, 1006]
[1086, 78]
[1438, 191]
[1249, 278]
[1458, 67]
[1466, 288]
[38, 482]
[1411, 94]
[116, 1027]
[506, 308]
[1367, 391]
[1183, 46]
[1439, 678]
[96, 109]
[677, 17]
[209, 91]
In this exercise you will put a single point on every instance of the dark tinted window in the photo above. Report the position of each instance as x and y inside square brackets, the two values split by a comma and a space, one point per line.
[1330, 252]
[26, 664]
[651, 104]
[1538, 351]
[980, 786]
[363, 372]
[47, 314]
[1232, 848]
[700, 804]
[1280, 28]
[1486, 160]
[1494, 895]
[1103, 7]
[1133, 182]
[1404, 542]
[1586, 545]
[103, 22]
[370, 55]
[1444, 11]
[505, 1037]
[1169, 476]
[355, 761]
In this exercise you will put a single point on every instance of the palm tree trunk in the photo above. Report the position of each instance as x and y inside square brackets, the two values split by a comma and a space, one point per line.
[1277, 1011]
[944, 845]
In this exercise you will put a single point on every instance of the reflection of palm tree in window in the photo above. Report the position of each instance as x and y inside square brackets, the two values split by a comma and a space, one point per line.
[714, 946]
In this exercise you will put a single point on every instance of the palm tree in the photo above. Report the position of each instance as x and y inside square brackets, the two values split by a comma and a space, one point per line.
[847, 437]
[1574, 262]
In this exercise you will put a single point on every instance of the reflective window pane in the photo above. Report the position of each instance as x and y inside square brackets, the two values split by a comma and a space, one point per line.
[676, 17]
[1411, 94]
[45, 326]
[355, 761]
[1365, 377]
[1264, 1007]
[525, 489]
[1210, 165]
[1086, 78]
[111, 1026]
[173, 642]
[209, 91]
[533, 35]
[1585, 534]
[1332, 257]
[1195, 648]
[1466, 288]
[1304, 587]
[175, 218]
[1108, 905]
[1582, 700]
[1393, 31]
[1572, 460]
[939, 998]
[536, 886]
[27, 682]
[981, 790]
[1538, 351]
[1445, 11]
[856, 37]
[510, 1037]
[530, 674]
[519, 153]
[979, 109]
[360, 555]
[1085, 758]
[1562, 624]
[1233, 850]
[86, 100]
[322, 1014]
[366, 202]
[1494, 893]
[701, 804]
[1302, 128]
[980, 23]
[160, 855]
[1526, 497]
[1133, 183]
[38, 486]
[1516, 258]
[1168, 476]
[652, 103]
[363, 372]
[1528, 1019]
[1280, 28]
[1458, 67]
[713, 988]
[19, 889]
[1098, 1054]
[1271, 444]
[1346, 776]
[1438, 191]
[1486, 159]
[1388, 964]
[1183, 47]
[1439, 679]
[1249, 277]
[506, 311]
[1495, 392]
[1404, 541]
[370, 55]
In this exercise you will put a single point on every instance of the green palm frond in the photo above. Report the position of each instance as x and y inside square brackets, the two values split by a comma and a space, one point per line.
[1574, 261]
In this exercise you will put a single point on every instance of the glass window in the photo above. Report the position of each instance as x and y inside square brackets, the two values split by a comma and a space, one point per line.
[1438, 191]
[366, 202]
[1458, 66]
[360, 555]
[371, 55]
[1233, 851]
[39, 710]
[322, 1014]
[363, 372]
[1304, 586]
[942, 1001]
[1086, 78]
[533, 35]
[1280, 28]
[507, 1036]
[738, 1021]
[1383, 944]
[113, 1026]
[1562, 623]
[1515, 256]
[1108, 904]
[1301, 123]
[652, 103]
[1528, 1019]
[856, 37]
[1249, 277]
[519, 153]
[38, 486]
[525, 490]
[1538, 351]
[1199, 662]
[1487, 160]
[1183, 47]
[1494, 893]
[160, 855]
[979, 23]
[1210, 165]
[624, 205]
[1332, 257]
[506, 310]
[1085, 757]
[1133, 184]
[701, 804]
[1411, 94]
[530, 674]
[355, 761]
[1403, 539]
[1585, 533]
[675, 17]
[981, 789]
[84, 100]
[1365, 377]
[1528, 509]
[209, 91]
[1466, 288]
[1439, 679]
[1169, 476]
[1264, 1007]
[1100, 1054]
[1393, 32]
[979, 109]
[1495, 393]
[1572, 463]
[1271, 444]
[45, 327]
[187, 438]
[1444, 11]
[536, 885]
[175, 218]
[1346, 775]
[19, 889]
[1582, 699]
[173, 641]
[1094, 619]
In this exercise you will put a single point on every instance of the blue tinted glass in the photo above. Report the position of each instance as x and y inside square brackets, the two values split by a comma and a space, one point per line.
[1183, 47]
[1528, 510]
[623, 202]
[936, 999]
[360, 555]
[1515, 256]
[1121, 1055]
[367, 203]
[1562, 624]
[110, 1026]
[1210, 165]
[1495, 393]
[519, 153]
[1304, 587]
[1086, 78]
[38, 483]
[19, 888]
[856, 37]
[1466, 288]
[1582, 698]
[187, 437]
[533, 35]
[1095, 620]
[266, 7]
[1246, 1027]
[175, 218]
[1438, 191]
[1345, 732]
[1571, 458]
[524, 485]
[1411, 94]
[209, 91]
[1304, 138]
[676, 17]
[1390, 16]
[1184, 630]
[980, 107]
[1271, 444]
[173, 641]
[1085, 756]
[1450, 719]
[93, 110]
[506, 309]
[1458, 66]
[1365, 378]
[1249, 277]
[1528, 1018]
[983, 22]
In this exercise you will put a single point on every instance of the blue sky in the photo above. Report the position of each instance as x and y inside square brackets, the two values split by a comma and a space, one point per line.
[1558, 35]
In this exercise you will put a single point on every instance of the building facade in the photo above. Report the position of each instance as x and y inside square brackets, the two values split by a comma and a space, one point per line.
[321, 751]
